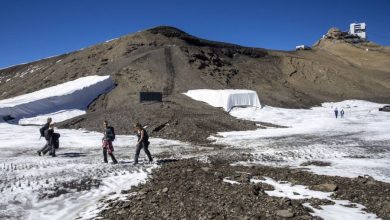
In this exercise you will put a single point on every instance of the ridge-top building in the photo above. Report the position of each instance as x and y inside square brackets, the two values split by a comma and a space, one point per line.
[358, 29]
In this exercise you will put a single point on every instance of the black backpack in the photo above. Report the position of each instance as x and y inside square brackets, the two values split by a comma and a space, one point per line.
[42, 131]
[146, 136]
[46, 134]
[56, 140]
[111, 135]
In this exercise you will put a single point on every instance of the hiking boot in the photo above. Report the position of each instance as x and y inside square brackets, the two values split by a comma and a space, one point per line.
[115, 162]
[39, 153]
[53, 155]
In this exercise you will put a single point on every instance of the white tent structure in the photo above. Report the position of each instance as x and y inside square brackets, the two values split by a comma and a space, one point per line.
[226, 98]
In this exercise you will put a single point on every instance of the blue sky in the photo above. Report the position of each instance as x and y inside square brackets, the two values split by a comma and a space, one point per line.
[31, 30]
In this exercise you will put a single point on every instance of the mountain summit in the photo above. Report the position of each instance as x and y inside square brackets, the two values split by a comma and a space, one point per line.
[169, 60]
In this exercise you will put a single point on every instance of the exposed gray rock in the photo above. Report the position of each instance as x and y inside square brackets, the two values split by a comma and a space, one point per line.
[326, 187]
[206, 169]
[284, 213]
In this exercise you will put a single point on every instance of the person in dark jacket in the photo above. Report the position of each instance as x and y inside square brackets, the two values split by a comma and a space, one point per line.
[336, 112]
[42, 131]
[109, 137]
[50, 137]
[143, 142]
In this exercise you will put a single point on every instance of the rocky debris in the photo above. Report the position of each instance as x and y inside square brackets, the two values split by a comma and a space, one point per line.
[317, 203]
[325, 187]
[316, 163]
[185, 189]
[241, 177]
[284, 213]
[219, 175]
[206, 169]
[369, 180]
[183, 119]
[125, 191]
[77, 185]
[386, 207]
[335, 33]
[228, 49]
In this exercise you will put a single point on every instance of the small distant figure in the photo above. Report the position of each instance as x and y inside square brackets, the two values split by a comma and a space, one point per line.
[143, 142]
[336, 112]
[109, 137]
[42, 131]
[342, 113]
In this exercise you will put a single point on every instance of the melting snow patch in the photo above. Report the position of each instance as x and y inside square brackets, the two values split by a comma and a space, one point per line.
[230, 181]
[204, 159]
[285, 189]
[30, 69]
[340, 210]
[110, 40]
[118, 184]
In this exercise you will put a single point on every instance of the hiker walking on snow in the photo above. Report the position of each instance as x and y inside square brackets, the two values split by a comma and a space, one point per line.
[342, 113]
[336, 112]
[42, 131]
[109, 137]
[143, 142]
[52, 141]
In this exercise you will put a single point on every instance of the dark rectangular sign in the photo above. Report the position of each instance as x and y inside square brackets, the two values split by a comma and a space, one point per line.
[150, 96]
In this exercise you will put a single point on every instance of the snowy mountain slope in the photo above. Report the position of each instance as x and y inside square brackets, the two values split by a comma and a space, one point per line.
[76, 94]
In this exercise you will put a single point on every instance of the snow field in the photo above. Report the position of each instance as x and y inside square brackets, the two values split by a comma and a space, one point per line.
[71, 184]
[357, 144]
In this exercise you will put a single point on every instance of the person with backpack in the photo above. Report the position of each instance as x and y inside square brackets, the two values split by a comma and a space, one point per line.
[42, 131]
[143, 142]
[342, 113]
[108, 138]
[336, 112]
[52, 140]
